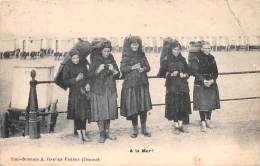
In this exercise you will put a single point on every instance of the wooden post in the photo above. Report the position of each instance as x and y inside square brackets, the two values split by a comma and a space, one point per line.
[34, 122]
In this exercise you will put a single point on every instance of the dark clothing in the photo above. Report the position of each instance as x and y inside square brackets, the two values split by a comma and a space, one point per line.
[177, 103]
[135, 101]
[135, 95]
[205, 115]
[133, 78]
[175, 84]
[103, 89]
[179, 116]
[80, 124]
[59, 76]
[206, 98]
[104, 107]
[78, 102]
[104, 79]
[177, 97]
[84, 48]
[204, 67]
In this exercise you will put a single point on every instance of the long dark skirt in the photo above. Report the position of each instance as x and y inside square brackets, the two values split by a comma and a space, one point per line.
[134, 101]
[78, 106]
[205, 98]
[175, 103]
[104, 107]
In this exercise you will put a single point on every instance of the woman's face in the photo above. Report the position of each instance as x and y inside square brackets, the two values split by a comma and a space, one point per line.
[134, 46]
[176, 51]
[206, 48]
[106, 52]
[75, 59]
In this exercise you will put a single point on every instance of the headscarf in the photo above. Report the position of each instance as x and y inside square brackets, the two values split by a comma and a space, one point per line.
[128, 55]
[127, 51]
[98, 44]
[168, 44]
[195, 46]
[83, 48]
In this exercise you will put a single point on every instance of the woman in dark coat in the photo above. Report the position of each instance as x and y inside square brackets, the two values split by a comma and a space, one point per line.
[103, 73]
[75, 77]
[135, 95]
[206, 95]
[175, 69]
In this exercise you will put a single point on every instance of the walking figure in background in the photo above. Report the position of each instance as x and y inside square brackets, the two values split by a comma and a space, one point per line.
[205, 95]
[75, 77]
[135, 95]
[103, 72]
[175, 69]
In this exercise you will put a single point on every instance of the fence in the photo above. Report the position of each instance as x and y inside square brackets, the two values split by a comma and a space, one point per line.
[150, 43]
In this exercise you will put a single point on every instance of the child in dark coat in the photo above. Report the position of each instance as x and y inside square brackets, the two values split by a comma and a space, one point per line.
[75, 77]
[175, 69]
[135, 95]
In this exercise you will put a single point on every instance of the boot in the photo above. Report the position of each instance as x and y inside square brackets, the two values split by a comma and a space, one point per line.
[135, 132]
[80, 134]
[107, 129]
[176, 128]
[101, 126]
[203, 126]
[86, 136]
[144, 130]
[208, 124]
[143, 119]
[186, 119]
[75, 130]
[182, 128]
[102, 137]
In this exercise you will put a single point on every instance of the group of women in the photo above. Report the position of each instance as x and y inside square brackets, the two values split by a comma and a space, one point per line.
[93, 92]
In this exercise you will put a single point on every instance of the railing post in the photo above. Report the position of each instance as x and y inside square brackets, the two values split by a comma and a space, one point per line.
[34, 122]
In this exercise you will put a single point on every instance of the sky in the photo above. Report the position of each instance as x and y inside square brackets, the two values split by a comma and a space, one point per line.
[71, 18]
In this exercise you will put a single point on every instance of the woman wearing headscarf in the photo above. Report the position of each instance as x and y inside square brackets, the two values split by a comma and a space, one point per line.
[205, 95]
[103, 74]
[135, 95]
[175, 69]
[75, 77]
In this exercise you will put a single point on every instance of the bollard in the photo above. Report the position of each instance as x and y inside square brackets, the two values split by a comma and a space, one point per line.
[34, 122]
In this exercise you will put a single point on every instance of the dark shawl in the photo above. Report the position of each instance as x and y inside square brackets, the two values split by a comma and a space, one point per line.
[130, 58]
[106, 78]
[84, 49]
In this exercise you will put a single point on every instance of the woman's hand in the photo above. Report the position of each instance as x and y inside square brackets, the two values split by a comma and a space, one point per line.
[111, 67]
[141, 70]
[136, 66]
[206, 83]
[79, 77]
[100, 68]
[183, 75]
[174, 74]
[211, 82]
[87, 87]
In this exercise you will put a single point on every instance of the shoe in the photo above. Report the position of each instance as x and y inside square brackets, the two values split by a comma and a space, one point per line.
[203, 126]
[75, 132]
[144, 130]
[109, 136]
[135, 132]
[80, 135]
[86, 136]
[183, 129]
[208, 124]
[177, 131]
[102, 137]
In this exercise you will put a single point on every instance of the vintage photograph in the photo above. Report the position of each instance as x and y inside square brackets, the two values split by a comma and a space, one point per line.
[130, 82]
